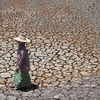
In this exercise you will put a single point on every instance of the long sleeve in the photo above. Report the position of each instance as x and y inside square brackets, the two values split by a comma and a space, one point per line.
[20, 58]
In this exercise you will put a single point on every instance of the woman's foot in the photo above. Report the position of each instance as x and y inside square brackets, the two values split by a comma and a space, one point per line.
[12, 87]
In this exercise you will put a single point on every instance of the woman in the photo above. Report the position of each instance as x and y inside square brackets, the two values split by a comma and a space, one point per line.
[21, 75]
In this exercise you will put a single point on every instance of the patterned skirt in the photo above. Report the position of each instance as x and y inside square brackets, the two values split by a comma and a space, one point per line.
[21, 79]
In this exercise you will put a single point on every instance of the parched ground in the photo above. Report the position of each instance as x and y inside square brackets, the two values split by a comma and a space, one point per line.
[89, 90]
[64, 50]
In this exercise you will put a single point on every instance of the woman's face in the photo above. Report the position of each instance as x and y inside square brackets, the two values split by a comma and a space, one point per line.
[20, 42]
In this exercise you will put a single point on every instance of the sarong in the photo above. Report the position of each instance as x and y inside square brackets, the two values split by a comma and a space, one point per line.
[21, 79]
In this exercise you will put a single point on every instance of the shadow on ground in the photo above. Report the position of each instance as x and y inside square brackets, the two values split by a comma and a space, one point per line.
[33, 87]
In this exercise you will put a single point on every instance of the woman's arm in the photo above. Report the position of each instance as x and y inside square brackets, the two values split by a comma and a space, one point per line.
[20, 60]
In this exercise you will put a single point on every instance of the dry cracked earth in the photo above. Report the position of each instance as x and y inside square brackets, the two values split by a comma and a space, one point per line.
[64, 50]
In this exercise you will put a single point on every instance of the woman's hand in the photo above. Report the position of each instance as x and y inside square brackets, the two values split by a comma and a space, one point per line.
[17, 69]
